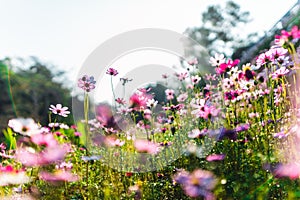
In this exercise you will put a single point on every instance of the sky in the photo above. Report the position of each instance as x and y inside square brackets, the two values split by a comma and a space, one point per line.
[64, 32]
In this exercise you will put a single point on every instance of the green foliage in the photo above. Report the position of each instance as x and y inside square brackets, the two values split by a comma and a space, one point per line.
[10, 139]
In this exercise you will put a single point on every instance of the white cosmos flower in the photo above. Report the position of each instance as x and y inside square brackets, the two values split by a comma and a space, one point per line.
[217, 60]
[24, 126]
[151, 103]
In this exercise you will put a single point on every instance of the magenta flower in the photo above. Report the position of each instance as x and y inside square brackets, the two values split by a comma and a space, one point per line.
[223, 67]
[112, 72]
[295, 32]
[87, 83]
[138, 101]
[59, 110]
[215, 157]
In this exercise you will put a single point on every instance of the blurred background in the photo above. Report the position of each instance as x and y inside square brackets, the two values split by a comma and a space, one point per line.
[44, 43]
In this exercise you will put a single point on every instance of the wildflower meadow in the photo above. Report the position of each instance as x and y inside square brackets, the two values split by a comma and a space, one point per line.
[230, 134]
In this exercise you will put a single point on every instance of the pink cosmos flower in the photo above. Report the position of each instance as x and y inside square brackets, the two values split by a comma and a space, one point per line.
[279, 73]
[107, 118]
[295, 32]
[58, 176]
[59, 110]
[287, 36]
[202, 110]
[264, 58]
[147, 114]
[210, 77]
[182, 76]
[112, 72]
[145, 146]
[170, 94]
[182, 97]
[87, 83]
[77, 134]
[120, 101]
[290, 170]
[193, 61]
[24, 126]
[47, 140]
[277, 53]
[29, 157]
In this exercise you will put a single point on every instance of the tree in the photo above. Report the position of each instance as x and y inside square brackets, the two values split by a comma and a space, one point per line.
[30, 92]
[221, 31]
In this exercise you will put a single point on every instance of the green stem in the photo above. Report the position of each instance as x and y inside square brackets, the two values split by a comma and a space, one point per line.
[112, 89]
[86, 118]
[87, 135]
